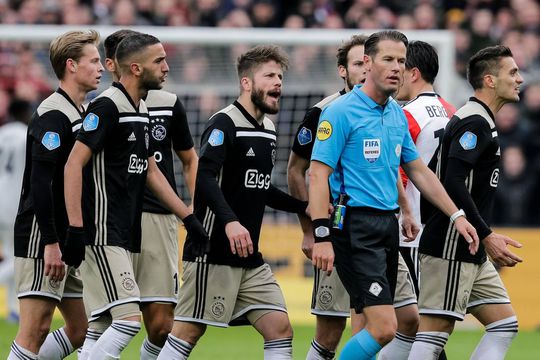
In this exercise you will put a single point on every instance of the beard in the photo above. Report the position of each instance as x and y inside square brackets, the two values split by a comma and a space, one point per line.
[257, 98]
[149, 82]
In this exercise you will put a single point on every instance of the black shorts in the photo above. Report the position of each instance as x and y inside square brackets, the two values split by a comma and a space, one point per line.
[367, 256]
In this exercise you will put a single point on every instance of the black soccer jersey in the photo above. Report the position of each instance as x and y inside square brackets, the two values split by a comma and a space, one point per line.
[114, 179]
[237, 154]
[42, 217]
[468, 166]
[305, 134]
[168, 124]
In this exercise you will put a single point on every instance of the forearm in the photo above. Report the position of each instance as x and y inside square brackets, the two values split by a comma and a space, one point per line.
[42, 198]
[161, 188]
[455, 184]
[73, 193]
[190, 162]
[430, 186]
[403, 202]
[280, 200]
[296, 180]
[318, 193]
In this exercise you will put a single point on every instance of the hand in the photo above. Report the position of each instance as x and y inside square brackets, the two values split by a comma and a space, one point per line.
[323, 256]
[195, 230]
[307, 244]
[74, 246]
[496, 248]
[239, 239]
[468, 232]
[55, 268]
[409, 227]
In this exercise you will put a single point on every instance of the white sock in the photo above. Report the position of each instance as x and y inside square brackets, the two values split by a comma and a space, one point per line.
[318, 352]
[92, 335]
[114, 340]
[175, 349]
[56, 346]
[497, 340]
[428, 345]
[398, 348]
[19, 353]
[280, 349]
[149, 351]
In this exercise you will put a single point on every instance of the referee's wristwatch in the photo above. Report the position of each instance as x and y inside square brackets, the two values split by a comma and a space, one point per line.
[321, 230]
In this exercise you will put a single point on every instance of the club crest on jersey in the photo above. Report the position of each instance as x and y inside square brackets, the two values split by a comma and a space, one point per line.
[51, 140]
[304, 136]
[216, 137]
[324, 131]
[372, 149]
[90, 122]
[468, 140]
[159, 132]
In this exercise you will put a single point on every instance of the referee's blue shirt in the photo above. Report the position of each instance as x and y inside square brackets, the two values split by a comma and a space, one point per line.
[364, 143]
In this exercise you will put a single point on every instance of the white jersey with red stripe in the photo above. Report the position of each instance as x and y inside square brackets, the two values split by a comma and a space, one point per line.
[427, 115]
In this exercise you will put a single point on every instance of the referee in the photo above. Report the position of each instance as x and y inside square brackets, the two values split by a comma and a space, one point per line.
[361, 140]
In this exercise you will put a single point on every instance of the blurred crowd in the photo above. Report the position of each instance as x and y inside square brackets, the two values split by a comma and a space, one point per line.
[24, 73]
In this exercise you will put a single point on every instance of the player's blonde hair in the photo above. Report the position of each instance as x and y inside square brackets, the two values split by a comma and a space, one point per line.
[70, 46]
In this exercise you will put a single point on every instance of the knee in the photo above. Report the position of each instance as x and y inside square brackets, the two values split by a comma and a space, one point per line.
[408, 323]
[77, 333]
[158, 329]
[329, 331]
[190, 332]
[383, 332]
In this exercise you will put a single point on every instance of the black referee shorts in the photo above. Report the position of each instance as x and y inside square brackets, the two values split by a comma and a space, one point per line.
[366, 255]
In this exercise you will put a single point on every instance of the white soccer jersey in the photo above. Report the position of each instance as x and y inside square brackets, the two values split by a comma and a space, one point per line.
[427, 115]
[12, 158]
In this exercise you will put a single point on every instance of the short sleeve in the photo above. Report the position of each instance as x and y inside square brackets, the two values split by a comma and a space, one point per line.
[469, 139]
[305, 134]
[217, 138]
[408, 149]
[180, 136]
[101, 117]
[332, 134]
[49, 133]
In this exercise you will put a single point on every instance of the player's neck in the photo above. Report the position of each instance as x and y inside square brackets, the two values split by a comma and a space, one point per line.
[492, 101]
[75, 92]
[421, 89]
[375, 94]
[245, 100]
[136, 93]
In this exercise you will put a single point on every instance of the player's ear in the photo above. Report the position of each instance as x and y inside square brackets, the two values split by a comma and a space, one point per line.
[72, 65]
[367, 62]
[136, 69]
[342, 71]
[245, 83]
[490, 81]
[109, 65]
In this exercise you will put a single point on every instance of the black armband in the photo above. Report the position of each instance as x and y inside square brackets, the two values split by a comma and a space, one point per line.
[321, 230]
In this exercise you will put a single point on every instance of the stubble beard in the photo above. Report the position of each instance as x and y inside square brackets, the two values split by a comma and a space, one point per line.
[257, 98]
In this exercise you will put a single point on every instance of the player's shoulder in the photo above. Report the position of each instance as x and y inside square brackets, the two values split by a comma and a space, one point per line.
[327, 100]
[160, 98]
[58, 105]
[474, 112]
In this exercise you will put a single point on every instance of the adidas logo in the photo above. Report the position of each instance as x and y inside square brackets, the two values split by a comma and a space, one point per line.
[250, 152]
[132, 137]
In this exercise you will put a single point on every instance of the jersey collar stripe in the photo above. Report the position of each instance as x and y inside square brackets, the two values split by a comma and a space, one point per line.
[255, 134]
[125, 119]
[76, 127]
[160, 113]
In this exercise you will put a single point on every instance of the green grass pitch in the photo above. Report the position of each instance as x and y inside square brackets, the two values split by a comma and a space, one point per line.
[239, 343]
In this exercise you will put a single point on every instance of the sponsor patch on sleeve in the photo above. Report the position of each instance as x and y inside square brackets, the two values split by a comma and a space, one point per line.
[468, 140]
[51, 140]
[216, 137]
[90, 122]
[324, 131]
[304, 136]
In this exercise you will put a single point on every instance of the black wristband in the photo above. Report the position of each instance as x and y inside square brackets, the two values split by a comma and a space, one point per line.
[321, 230]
